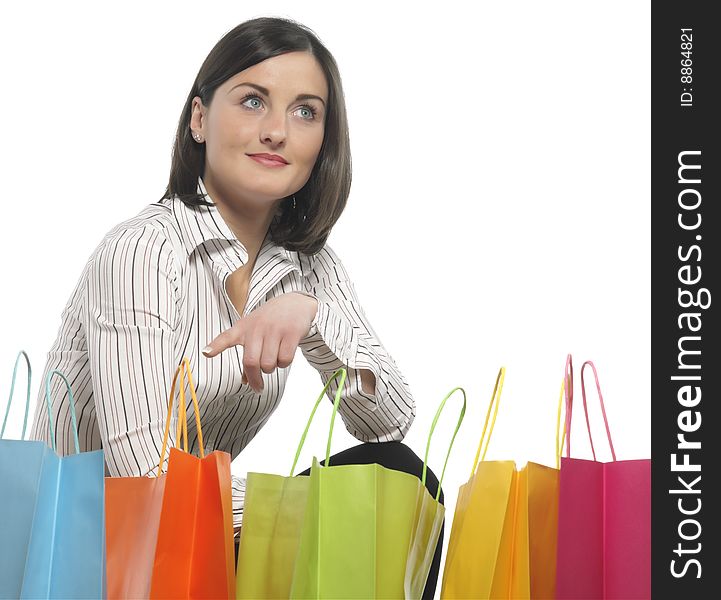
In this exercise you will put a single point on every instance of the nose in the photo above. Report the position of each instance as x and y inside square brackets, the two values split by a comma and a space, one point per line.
[273, 128]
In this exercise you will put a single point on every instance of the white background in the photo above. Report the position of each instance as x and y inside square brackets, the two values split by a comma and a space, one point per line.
[501, 154]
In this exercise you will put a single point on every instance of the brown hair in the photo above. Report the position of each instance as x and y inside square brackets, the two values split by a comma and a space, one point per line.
[320, 202]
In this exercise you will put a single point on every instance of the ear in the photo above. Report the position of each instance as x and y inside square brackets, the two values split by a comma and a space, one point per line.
[197, 116]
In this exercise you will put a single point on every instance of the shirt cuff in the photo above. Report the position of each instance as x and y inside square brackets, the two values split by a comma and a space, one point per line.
[330, 339]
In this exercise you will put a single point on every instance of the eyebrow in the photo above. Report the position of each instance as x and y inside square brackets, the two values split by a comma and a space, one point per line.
[265, 91]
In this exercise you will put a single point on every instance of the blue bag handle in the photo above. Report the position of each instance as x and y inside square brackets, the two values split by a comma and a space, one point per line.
[50, 412]
[12, 389]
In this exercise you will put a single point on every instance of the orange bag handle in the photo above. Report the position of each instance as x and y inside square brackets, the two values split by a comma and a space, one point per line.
[182, 368]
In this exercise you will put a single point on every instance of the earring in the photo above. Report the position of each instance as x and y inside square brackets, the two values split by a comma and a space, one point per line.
[294, 202]
[197, 137]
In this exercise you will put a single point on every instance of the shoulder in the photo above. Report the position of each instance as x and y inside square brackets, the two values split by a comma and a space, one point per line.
[325, 264]
[152, 231]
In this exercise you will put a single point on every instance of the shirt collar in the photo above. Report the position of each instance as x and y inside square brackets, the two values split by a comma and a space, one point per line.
[200, 224]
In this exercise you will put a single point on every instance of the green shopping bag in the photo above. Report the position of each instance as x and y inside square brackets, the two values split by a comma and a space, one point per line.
[273, 512]
[349, 531]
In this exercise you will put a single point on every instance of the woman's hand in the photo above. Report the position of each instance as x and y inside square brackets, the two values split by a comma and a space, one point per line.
[269, 335]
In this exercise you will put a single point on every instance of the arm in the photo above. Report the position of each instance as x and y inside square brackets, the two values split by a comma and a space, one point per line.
[131, 314]
[376, 403]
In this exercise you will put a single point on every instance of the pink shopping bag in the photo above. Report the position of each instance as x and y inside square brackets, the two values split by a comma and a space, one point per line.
[604, 518]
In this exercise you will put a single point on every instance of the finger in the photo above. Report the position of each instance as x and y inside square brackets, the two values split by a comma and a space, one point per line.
[251, 359]
[229, 338]
[286, 351]
[269, 356]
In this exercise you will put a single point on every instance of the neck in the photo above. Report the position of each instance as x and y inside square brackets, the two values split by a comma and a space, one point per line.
[249, 223]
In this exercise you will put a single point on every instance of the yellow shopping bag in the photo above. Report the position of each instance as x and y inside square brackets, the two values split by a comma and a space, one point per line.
[504, 531]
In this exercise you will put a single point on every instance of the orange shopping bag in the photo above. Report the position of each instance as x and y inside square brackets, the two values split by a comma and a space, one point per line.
[132, 516]
[503, 536]
[172, 536]
[195, 554]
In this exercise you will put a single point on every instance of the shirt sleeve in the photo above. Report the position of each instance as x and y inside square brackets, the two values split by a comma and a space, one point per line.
[341, 336]
[131, 314]
[238, 501]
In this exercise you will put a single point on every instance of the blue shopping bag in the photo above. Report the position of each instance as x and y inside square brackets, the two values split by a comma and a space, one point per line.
[52, 514]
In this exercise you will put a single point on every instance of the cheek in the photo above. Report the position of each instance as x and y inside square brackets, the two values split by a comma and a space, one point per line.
[230, 130]
[311, 145]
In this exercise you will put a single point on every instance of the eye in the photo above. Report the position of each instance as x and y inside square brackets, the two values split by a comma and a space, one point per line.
[309, 108]
[311, 111]
[251, 95]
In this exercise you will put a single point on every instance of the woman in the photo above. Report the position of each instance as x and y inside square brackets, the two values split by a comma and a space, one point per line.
[232, 262]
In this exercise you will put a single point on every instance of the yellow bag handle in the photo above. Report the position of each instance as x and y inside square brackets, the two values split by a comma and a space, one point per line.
[495, 400]
[559, 446]
[182, 368]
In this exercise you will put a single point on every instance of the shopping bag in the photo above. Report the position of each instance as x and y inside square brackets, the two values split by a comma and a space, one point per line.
[132, 519]
[604, 518]
[350, 531]
[51, 515]
[359, 538]
[194, 550]
[21, 468]
[273, 512]
[132, 508]
[503, 536]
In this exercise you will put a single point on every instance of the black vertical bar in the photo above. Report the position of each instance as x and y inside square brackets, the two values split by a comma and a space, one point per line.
[685, 356]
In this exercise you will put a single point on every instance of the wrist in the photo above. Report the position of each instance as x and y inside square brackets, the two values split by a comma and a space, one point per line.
[312, 305]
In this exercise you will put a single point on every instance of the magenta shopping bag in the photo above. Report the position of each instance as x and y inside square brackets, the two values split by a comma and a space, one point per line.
[604, 518]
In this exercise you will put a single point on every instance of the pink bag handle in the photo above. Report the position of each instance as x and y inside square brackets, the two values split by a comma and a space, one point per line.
[569, 406]
[603, 409]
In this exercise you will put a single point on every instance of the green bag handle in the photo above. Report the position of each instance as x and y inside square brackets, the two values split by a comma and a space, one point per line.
[450, 446]
[342, 372]
[50, 412]
[12, 389]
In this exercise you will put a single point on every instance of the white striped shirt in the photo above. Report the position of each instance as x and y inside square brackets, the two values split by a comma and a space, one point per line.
[153, 292]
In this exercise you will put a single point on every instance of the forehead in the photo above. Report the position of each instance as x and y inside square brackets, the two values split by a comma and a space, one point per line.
[292, 73]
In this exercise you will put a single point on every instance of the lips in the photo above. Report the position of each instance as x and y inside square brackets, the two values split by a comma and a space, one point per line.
[269, 158]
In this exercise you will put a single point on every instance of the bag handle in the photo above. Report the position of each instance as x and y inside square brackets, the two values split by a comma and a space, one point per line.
[559, 443]
[12, 390]
[342, 372]
[50, 412]
[182, 426]
[568, 393]
[495, 400]
[433, 426]
[603, 409]
[569, 406]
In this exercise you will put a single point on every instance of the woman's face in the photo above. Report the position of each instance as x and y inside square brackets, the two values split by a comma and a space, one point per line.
[275, 107]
